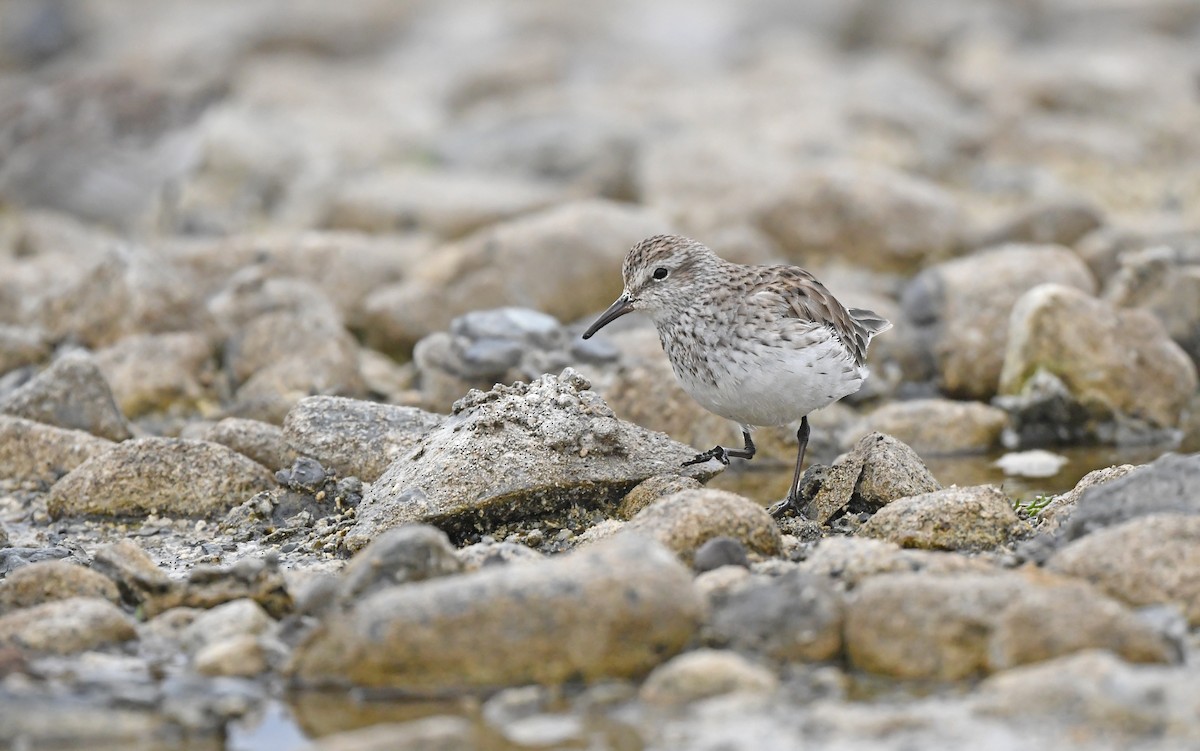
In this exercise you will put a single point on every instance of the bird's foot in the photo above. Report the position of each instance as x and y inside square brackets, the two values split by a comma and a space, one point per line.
[778, 509]
[716, 452]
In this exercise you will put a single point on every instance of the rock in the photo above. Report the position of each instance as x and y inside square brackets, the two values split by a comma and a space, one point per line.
[652, 489]
[490, 268]
[346, 266]
[21, 346]
[971, 518]
[863, 214]
[411, 553]
[46, 581]
[223, 622]
[704, 673]
[964, 306]
[280, 358]
[562, 449]
[595, 152]
[443, 203]
[97, 299]
[261, 441]
[207, 586]
[1061, 506]
[34, 451]
[950, 627]
[485, 554]
[158, 373]
[240, 656]
[439, 733]
[1149, 560]
[170, 476]
[688, 519]
[879, 470]
[68, 626]
[718, 552]
[136, 576]
[940, 426]
[71, 393]
[1097, 690]
[1061, 222]
[613, 610]
[851, 560]
[1165, 281]
[795, 617]
[355, 437]
[1118, 365]
[1165, 486]
[1034, 463]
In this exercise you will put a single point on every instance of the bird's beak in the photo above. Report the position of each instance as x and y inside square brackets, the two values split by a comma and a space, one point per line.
[619, 308]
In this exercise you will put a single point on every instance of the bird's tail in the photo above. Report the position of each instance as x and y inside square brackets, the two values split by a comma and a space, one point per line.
[871, 322]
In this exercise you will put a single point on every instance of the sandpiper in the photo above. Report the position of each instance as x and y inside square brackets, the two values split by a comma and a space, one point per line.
[759, 345]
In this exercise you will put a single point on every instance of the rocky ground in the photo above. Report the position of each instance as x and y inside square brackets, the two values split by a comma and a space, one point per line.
[263, 265]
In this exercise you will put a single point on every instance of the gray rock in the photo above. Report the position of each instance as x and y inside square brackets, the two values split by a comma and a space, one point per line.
[863, 214]
[879, 470]
[69, 626]
[444, 203]
[718, 552]
[958, 518]
[949, 627]
[261, 441]
[593, 152]
[1165, 281]
[34, 451]
[613, 610]
[170, 476]
[484, 554]
[521, 325]
[795, 617]
[562, 449]
[704, 673]
[1119, 365]
[47, 581]
[1165, 486]
[411, 553]
[491, 268]
[1061, 222]
[241, 617]
[71, 393]
[97, 299]
[940, 426]
[137, 577]
[1063, 505]
[21, 346]
[1097, 690]
[279, 358]
[157, 373]
[241, 656]
[688, 519]
[851, 560]
[1148, 560]
[355, 437]
[964, 306]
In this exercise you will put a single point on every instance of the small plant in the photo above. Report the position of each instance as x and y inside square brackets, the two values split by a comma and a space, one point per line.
[1033, 506]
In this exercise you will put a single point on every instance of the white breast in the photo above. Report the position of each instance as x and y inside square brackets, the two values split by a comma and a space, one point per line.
[773, 385]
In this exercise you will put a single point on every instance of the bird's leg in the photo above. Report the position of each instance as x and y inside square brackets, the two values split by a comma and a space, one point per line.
[801, 436]
[723, 455]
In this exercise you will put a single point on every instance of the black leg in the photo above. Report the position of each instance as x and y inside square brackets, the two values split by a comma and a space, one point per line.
[723, 455]
[802, 437]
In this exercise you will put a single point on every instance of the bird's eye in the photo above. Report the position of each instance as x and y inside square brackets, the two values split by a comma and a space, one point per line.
[660, 273]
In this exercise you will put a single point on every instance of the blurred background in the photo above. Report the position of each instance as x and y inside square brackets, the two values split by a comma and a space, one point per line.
[376, 169]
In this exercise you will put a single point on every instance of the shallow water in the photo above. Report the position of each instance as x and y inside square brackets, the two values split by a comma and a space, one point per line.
[768, 482]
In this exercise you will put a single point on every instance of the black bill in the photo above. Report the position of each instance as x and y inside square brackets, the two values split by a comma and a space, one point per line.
[615, 311]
